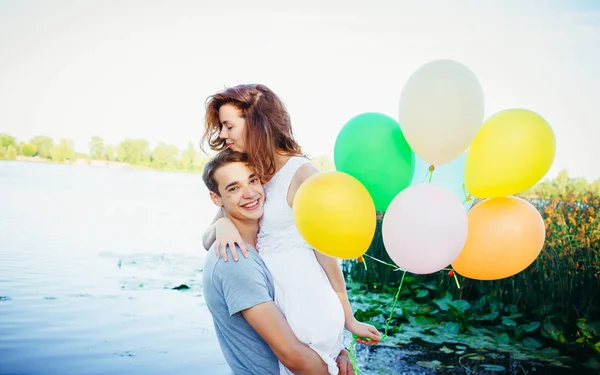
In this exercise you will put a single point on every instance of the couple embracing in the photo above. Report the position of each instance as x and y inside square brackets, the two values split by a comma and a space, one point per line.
[278, 306]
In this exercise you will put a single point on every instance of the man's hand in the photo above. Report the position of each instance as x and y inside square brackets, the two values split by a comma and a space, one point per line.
[344, 364]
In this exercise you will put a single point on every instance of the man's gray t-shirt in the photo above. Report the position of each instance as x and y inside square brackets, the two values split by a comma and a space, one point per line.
[230, 287]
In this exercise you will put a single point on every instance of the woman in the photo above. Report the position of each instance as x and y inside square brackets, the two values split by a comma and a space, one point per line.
[309, 286]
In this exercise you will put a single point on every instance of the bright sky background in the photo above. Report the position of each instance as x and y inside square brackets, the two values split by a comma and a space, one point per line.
[144, 68]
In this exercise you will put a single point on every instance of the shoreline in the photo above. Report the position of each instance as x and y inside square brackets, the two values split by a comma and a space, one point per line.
[96, 163]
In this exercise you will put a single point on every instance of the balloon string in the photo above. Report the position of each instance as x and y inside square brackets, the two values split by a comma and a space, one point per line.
[389, 319]
[431, 169]
[382, 262]
[352, 345]
[352, 355]
[452, 273]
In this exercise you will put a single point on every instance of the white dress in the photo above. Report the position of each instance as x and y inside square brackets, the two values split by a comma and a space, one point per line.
[302, 290]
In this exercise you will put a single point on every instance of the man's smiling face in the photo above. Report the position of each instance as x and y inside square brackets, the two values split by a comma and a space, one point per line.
[241, 193]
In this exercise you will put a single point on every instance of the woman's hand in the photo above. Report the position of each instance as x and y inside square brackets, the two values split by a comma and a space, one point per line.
[366, 333]
[228, 235]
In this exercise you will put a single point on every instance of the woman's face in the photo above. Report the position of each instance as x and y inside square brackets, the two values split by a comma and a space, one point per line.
[233, 126]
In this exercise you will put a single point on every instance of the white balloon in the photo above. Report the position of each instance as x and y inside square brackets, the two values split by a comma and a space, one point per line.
[441, 110]
[424, 228]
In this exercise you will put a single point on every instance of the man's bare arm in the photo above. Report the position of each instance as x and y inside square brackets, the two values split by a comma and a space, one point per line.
[268, 321]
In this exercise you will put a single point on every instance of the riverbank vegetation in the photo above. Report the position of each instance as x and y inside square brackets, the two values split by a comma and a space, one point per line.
[550, 311]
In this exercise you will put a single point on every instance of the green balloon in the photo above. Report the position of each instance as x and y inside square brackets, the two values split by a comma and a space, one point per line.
[372, 149]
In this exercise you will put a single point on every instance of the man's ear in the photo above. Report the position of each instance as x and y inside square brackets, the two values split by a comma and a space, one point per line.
[216, 199]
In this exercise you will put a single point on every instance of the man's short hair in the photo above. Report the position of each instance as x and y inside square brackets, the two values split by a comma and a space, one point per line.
[221, 159]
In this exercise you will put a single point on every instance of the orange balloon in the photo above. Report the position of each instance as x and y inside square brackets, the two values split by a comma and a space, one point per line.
[505, 236]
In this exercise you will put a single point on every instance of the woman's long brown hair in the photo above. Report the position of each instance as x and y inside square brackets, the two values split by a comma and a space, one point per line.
[268, 129]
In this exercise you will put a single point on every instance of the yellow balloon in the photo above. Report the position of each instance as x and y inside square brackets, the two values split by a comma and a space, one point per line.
[335, 214]
[512, 151]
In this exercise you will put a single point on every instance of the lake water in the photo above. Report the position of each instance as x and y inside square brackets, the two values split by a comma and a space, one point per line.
[88, 257]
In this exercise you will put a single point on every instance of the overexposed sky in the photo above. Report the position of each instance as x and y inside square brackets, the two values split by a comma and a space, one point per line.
[144, 68]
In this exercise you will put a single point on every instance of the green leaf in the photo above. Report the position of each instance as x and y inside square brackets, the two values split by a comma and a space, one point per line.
[503, 338]
[509, 322]
[593, 328]
[531, 343]
[476, 357]
[592, 363]
[480, 303]
[531, 326]
[442, 303]
[353, 285]
[422, 293]
[460, 305]
[437, 339]
[553, 331]
[496, 305]
[489, 317]
[550, 352]
[446, 350]
[422, 320]
[490, 367]
[451, 327]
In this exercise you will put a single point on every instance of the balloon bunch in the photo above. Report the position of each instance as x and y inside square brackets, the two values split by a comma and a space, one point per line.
[430, 224]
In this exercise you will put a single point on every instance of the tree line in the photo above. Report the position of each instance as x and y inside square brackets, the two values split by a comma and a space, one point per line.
[133, 152]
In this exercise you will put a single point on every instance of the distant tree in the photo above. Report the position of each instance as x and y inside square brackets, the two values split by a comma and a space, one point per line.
[7, 141]
[164, 157]
[44, 145]
[122, 152]
[63, 151]
[97, 150]
[134, 151]
[595, 187]
[562, 179]
[110, 153]
[561, 187]
[191, 159]
[2, 152]
[11, 152]
[172, 161]
[28, 149]
[159, 156]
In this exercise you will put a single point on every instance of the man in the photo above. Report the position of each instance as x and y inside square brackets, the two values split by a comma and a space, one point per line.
[252, 331]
